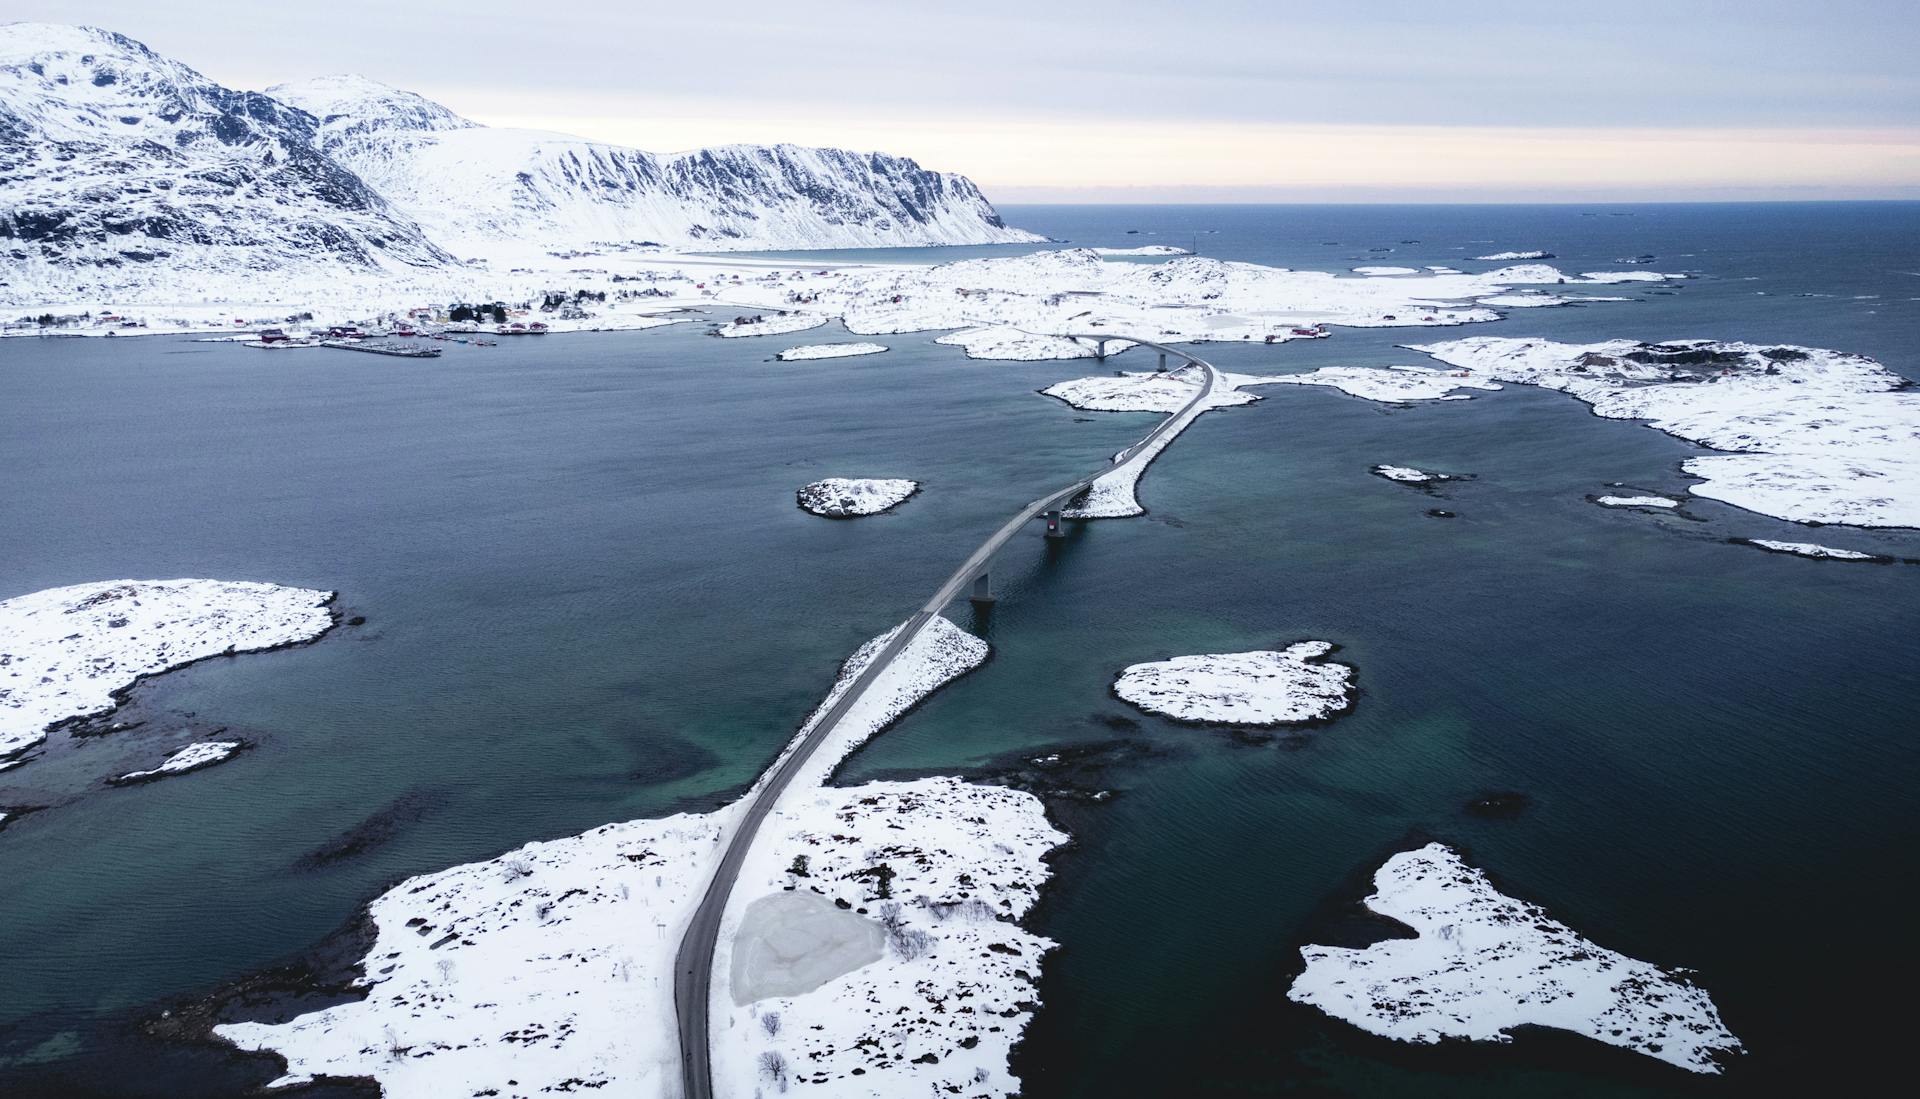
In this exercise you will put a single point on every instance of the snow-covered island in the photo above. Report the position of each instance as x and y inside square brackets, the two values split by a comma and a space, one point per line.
[194, 756]
[1813, 436]
[1503, 256]
[1407, 475]
[70, 652]
[829, 351]
[1636, 501]
[1485, 963]
[1286, 687]
[1812, 549]
[550, 968]
[848, 497]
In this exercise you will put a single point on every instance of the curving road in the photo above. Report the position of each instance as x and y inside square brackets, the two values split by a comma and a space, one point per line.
[693, 964]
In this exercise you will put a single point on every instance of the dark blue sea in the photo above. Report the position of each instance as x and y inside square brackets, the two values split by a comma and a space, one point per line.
[589, 597]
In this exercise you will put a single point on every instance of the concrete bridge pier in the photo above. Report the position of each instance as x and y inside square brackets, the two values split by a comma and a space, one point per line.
[982, 590]
[1163, 362]
[1055, 529]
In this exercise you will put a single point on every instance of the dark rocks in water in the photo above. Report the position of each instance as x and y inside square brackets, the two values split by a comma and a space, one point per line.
[1116, 721]
[12, 813]
[669, 758]
[1499, 805]
[1131, 232]
[1440, 513]
[375, 831]
[357, 620]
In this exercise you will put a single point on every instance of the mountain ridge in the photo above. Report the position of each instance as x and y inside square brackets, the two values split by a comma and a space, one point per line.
[126, 174]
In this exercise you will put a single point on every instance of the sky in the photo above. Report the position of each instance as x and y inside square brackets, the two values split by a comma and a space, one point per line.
[1168, 101]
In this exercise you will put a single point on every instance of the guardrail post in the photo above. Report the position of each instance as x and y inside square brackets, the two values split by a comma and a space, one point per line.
[982, 589]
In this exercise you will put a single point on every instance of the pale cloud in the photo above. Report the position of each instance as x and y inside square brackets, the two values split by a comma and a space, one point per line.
[1394, 98]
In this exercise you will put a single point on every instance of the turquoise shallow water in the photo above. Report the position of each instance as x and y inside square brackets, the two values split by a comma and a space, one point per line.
[589, 597]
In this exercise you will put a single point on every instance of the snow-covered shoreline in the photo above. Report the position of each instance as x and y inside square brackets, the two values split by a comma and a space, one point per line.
[1485, 963]
[1292, 686]
[72, 653]
[998, 308]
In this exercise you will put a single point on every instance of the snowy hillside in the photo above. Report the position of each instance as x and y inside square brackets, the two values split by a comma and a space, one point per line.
[120, 168]
[485, 191]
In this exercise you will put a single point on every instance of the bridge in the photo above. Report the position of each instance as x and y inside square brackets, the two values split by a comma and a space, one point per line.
[693, 964]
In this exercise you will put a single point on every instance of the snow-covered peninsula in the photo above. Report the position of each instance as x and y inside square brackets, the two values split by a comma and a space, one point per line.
[1290, 686]
[68, 652]
[1811, 435]
[549, 968]
[1485, 963]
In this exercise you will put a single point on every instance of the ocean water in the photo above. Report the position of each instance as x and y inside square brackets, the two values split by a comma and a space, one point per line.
[590, 598]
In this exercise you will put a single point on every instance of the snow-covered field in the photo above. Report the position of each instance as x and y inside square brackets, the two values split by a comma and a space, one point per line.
[1485, 963]
[1264, 687]
[1814, 436]
[844, 497]
[946, 868]
[65, 652]
[192, 757]
[830, 351]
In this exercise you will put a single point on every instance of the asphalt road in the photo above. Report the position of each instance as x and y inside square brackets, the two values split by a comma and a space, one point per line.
[693, 964]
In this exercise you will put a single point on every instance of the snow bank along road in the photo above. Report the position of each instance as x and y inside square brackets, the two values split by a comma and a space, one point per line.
[693, 965]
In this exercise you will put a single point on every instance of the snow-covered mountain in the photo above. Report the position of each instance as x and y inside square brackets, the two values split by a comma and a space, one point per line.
[127, 177]
[481, 190]
[120, 168]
